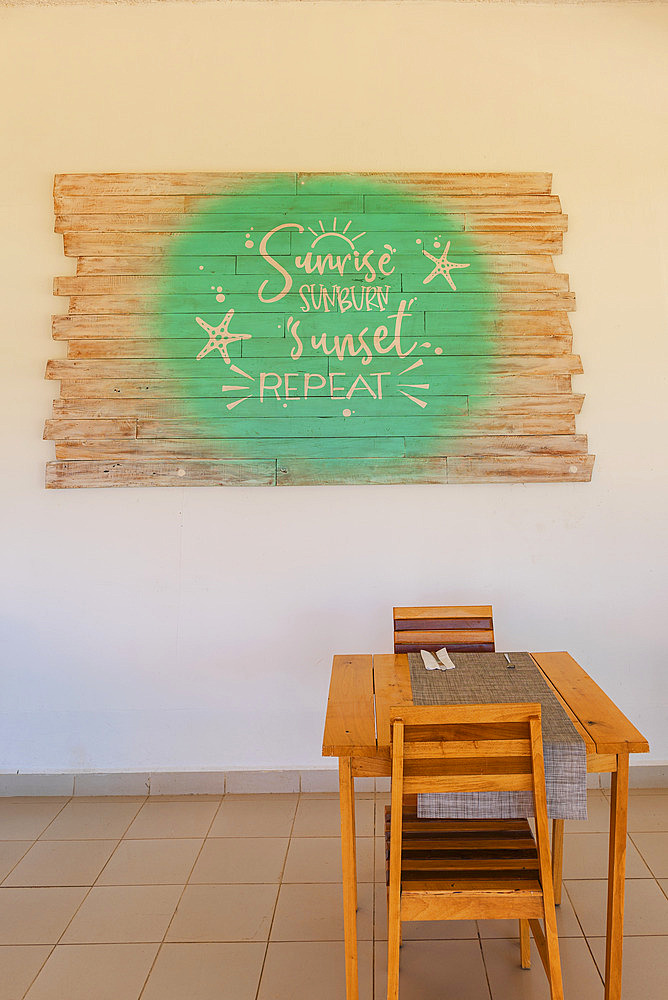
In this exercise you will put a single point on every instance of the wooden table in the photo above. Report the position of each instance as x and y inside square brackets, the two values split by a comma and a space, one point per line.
[364, 687]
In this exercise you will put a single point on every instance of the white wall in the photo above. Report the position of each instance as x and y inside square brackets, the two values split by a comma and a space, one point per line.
[191, 629]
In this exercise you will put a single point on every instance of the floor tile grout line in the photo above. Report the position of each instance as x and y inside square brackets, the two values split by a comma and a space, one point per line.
[89, 889]
[85, 897]
[32, 981]
[278, 893]
[18, 862]
[54, 818]
[99, 874]
[178, 902]
[484, 964]
[580, 925]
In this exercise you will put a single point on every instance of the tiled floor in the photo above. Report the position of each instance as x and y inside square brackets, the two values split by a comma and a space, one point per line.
[239, 898]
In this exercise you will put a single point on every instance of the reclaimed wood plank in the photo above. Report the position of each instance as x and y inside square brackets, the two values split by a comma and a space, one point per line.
[176, 409]
[480, 223]
[154, 264]
[554, 423]
[63, 429]
[103, 244]
[438, 183]
[505, 469]
[134, 368]
[193, 284]
[68, 475]
[101, 387]
[248, 302]
[511, 444]
[70, 448]
[275, 347]
[160, 204]
[193, 182]
[116, 326]
[112, 325]
[553, 403]
[315, 472]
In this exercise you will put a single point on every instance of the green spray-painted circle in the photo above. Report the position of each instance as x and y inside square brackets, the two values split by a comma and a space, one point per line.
[346, 310]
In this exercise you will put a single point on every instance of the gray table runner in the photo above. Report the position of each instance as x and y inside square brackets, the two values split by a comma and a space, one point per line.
[487, 677]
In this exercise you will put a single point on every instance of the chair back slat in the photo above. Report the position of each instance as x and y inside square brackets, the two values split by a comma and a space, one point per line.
[434, 761]
[459, 628]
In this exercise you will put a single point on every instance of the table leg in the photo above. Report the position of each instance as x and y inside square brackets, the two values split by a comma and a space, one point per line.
[347, 801]
[619, 802]
[557, 858]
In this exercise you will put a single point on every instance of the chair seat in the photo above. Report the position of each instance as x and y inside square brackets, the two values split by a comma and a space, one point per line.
[454, 856]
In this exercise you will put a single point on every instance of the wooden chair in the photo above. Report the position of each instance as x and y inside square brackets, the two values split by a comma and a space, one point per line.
[460, 629]
[469, 869]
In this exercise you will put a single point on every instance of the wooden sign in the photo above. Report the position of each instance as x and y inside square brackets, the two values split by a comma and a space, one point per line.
[292, 329]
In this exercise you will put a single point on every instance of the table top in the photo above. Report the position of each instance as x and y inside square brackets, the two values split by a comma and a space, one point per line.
[365, 686]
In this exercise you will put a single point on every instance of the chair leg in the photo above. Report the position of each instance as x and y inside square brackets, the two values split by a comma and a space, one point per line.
[557, 857]
[525, 945]
[393, 945]
[552, 947]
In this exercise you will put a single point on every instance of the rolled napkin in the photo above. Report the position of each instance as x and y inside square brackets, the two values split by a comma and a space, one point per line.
[438, 661]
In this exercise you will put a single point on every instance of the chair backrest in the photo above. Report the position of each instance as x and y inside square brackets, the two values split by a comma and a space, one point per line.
[468, 748]
[460, 629]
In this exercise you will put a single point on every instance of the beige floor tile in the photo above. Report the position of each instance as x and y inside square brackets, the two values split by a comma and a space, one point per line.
[586, 856]
[62, 862]
[645, 909]
[173, 818]
[567, 923]
[206, 972]
[365, 793]
[379, 860]
[120, 914]
[19, 964]
[94, 972]
[11, 852]
[508, 981]
[255, 816]
[644, 966]
[241, 859]
[27, 818]
[421, 930]
[598, 815]
[654, 849]
[315, 913]
[435, 970]
[93, 819]
[224, 913]
[37, 916]
[318, 859]
[151, 862]
[312, 970]
[664, 886]
[648, 812]
[382, 801]
[322, 818]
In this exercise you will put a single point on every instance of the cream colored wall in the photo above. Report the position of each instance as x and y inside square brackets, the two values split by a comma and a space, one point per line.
[194, 629]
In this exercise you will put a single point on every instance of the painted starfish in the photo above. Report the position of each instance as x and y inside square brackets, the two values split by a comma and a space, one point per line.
[443, 266]
[220, 337]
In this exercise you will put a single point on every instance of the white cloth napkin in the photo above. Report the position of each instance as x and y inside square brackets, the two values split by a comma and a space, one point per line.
[439, 661]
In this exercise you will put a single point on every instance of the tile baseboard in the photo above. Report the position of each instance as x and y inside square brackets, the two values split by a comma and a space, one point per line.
[318, 780]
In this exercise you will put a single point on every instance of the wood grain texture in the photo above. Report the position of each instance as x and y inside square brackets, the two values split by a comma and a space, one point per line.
[129, 389]
[605, 723]
[349, 722]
